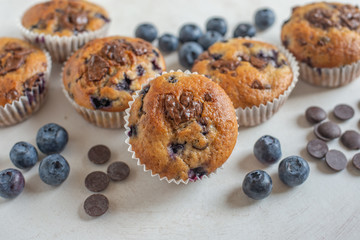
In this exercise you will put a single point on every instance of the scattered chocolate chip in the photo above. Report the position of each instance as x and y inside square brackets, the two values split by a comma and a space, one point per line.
[99, 154]
[343, 112]
[351, 139]
[320, 17]
[97, 68]
[172, 79]
[323, 41]
[97, 181]
[336, 160]
[356, 161]
[258, 62]
[327, 131]
[96, 205]
[315, 114]
[133, 131]
[186, 98]
[118, 171]
[208, 97]
[317, 148]
[196, 173]
[256, 84]
[225, 65]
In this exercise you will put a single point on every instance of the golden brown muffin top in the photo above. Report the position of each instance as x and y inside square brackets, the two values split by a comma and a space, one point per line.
[105, 73]
[251, 72]
[323, 35]
[64, 17]
[22, 66]
[182, 126]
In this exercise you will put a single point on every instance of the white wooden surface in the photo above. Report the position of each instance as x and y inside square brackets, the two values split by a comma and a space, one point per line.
[326, 206]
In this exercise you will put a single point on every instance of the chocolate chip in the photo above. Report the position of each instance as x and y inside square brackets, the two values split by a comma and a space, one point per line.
[327, 131]
[208, 97]
[115, 50]
[258, 62]
[248, 44]
[351, 139]
[317, 148]
[323, 41]
[79, 20]
[356, 161]
[336, 160]
[96, 205]
[118, 171]
[315, 114]
[97, 68]
[12, 63]
[186, 98]
[343, 112]
[196, 173]
[99, 154]
[133, 131]
[97, 181]
[320, 17]
[225, 65]
[99, 103]
[172, 79]
[256, 84]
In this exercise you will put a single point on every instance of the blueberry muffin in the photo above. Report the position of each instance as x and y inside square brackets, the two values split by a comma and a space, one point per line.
[105, 73]
[182, 126]
[324, 36]
[24, 71]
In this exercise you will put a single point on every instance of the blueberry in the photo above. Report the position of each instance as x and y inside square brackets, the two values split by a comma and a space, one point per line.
[188, 53]
[209, 38]
[168, 43]
[23, 155]
[244, 30]
[217, 24]
[196, 173]
[12, 183]
[54, 169]
[146, 31]
[51, 138]
[267, 149]
[264, 18]
[190, 33]
[257, 184]
[293, 170]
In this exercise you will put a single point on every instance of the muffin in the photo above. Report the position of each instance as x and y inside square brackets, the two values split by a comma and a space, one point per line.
[63, 26]
[100, 78]
[181, 127]
[24, 79]
[257, 76]
[325, 39]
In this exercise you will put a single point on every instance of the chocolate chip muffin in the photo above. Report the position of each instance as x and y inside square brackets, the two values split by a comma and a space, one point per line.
[251, 72]
[64, 24]
[104, 74]
[324, 36]
[24, 72]
[182, 126]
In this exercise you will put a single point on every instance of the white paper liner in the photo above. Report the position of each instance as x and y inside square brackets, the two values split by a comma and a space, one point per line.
[21, 109]
[329, 77]
[127, 141]
[60, 48]
[256, 115]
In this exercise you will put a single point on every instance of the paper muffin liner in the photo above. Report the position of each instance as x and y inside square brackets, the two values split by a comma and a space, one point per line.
[329, 77]
[127, 141]
[252, 116]
[60, 48]
[19, 110]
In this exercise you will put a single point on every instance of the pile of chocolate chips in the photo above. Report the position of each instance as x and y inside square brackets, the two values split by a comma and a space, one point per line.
[97, 181]
[326, 131]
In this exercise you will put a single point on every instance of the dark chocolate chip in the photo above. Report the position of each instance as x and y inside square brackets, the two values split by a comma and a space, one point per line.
[97, 181]
[315, 114]
[172, 79]
[96, 205]
[13, 63]
[196, 173]
[118, 171]
[323, 41]
[256, 84]
[343, 112]
[356, 161]
[99, 154]
[186, 98]
[321, 18]
[208, 97]
[97, 68]
[99, 103]
[258, 62]
[327, 131]
[317, 148]
[351, 139]
[336, 160]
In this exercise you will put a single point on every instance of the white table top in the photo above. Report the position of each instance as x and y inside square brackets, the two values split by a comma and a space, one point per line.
[142, 207]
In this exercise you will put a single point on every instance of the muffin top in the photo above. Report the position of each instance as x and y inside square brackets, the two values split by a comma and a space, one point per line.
[105, 73]
[64, 17]
[182, 126]
[22, 66]
[323, 35]
[250, 72]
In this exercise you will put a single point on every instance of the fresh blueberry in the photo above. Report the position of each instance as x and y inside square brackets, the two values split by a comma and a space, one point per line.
[217, 24]
[257, 184]
[190, 33]
[23, 155]
[168, 43]
[51, 138]
[264, 18]
[196, 173]
[244, 30]
[146, 31]
[209, 38]
[293, 170]
[12, 183]
[188, 53]
[54, 169]
[267, 149]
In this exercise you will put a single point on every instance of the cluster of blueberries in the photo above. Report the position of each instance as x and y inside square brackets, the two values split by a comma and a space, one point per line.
[194, 41]
[51, 139]
[293, 170]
